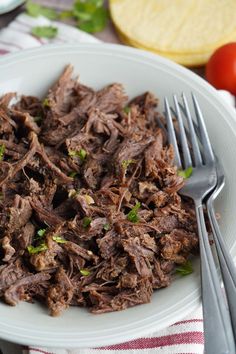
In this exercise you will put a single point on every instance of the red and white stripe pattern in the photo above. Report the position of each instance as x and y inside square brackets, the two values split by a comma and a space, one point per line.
[17, 35]
[183, 337]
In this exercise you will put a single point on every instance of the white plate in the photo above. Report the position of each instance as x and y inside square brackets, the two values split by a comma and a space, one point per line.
[33, 72]
[9, 5]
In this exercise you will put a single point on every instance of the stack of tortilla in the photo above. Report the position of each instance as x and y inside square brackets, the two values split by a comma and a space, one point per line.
[186, 31]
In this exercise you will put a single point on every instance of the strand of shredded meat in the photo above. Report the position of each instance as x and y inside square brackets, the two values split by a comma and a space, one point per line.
[90, 213]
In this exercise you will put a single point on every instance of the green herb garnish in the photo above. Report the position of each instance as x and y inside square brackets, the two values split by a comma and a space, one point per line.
[72, 174]
[1, 196]
[38, 249]
[127, 109]
[41, 232]
[90, 15]
[125, 163]
[185, 269]
[106, 227]
[65, 14]
[36, 10]
[84, 10]
[2, 151]
[46, 102]
[185, 173]
[133, 214]
[45, 31]
[58, 239]
[81, 154]
[85, 272]
[72, 153]
[96, 23]
[86, 221]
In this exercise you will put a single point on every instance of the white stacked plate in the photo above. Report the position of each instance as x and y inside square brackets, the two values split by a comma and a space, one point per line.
[9, 5]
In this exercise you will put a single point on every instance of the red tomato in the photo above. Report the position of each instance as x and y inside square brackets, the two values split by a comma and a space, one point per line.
[221, 68]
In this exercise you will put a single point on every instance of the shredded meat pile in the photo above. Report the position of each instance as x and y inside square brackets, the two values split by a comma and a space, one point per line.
[90, 211]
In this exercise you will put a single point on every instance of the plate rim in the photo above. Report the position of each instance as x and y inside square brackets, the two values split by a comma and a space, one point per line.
[143, 56]
[11, 7]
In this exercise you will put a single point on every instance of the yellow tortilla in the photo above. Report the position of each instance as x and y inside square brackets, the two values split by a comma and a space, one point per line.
[186, 59]
[176, 27]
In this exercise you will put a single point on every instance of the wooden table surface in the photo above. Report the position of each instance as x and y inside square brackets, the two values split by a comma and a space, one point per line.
[108, 35]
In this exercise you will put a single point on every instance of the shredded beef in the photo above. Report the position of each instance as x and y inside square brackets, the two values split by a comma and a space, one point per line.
[60, 295]
[90, 213]
[10, 273]
[18, 291]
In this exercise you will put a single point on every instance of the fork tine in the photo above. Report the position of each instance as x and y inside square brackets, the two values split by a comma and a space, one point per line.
[183, 109]
[171, 134]
[183, 138]
[207, 149]
[192, 134]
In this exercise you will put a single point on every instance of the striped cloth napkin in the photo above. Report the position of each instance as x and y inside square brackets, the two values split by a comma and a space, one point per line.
[18, 36]
[184, 337]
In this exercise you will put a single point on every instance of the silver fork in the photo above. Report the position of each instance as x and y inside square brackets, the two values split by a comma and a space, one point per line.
[227, 266]
[217, 324]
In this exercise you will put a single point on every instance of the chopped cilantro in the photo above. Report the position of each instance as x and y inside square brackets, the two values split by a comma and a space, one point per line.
[58, 239]
[66, 14]
[45, 31]
[125, 163]
[133, 214]
[2, 151]
[88, 6]
[36, 10]
[86, 221]
[84, 10]
[85, 272]
[126, 109]
[72, 174]
[185, 173]
[185, 269]
[81, 154]
[106, 227]
[46, 102]
[96, 23]
[41, 232]
[72, 153]
[90, 15]
[38, 249]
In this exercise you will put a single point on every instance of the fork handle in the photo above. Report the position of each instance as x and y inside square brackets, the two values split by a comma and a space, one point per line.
[227, 266]
[217, 324]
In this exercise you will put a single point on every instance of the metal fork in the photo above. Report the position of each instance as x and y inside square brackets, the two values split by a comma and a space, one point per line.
[217, 324]
[227, 266]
